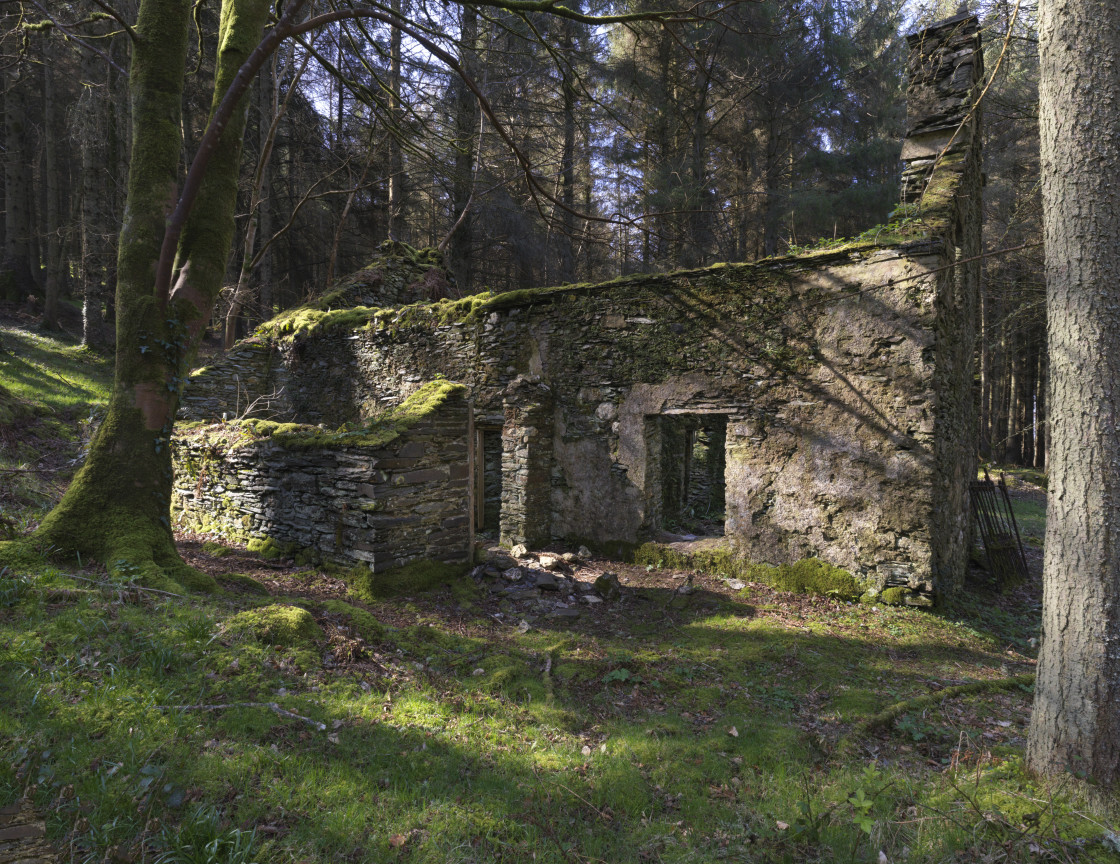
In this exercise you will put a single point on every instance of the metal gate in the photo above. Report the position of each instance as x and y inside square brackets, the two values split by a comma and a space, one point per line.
[1003, 548]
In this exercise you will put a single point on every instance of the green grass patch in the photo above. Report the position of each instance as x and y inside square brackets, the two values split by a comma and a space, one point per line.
[51, 375]
[52, 393]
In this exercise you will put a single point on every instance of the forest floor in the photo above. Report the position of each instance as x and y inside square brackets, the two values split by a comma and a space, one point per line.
[284, 718]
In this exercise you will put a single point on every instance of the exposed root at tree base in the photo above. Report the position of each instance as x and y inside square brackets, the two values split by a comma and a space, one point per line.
[889, 714]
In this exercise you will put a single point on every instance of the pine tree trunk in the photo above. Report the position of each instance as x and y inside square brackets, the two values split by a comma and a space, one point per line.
[985, 376]
[397, 181]
[1041, 438]
[95, 208]
[1075, 725]
[16, 278]
[52, 285]
[461, 242]
[567, 156]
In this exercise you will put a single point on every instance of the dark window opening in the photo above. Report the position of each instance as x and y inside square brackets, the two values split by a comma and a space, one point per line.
[489, 488]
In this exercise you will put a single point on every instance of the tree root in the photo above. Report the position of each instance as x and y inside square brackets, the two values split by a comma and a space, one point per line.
[889, 714]
[272, 706]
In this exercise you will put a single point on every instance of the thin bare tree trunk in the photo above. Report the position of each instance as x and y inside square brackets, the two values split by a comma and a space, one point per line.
[52, 285]
[461, 240]
[259, 209]
[397, 181]
[18, 280]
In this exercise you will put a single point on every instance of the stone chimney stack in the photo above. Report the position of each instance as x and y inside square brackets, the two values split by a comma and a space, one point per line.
[945, 67]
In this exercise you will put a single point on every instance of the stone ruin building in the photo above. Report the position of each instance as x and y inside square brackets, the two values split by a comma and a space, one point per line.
[820, 404]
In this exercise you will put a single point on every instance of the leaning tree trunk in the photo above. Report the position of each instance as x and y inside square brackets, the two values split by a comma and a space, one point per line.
[117, 508]
[1076, 721]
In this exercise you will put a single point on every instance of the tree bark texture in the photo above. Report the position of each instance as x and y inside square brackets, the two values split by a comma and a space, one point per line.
[16, 277]
[117, 508]
[1076, 721]
[461, 242]
[52, 285]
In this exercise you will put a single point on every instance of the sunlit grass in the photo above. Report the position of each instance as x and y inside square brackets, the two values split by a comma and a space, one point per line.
[722, 730]
[53, 373]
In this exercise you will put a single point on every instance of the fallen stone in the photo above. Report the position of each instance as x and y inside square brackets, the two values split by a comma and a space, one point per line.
[591, 599]
[565, 614]
[551, 562]
[499, 557]
[513, 574]
[736, 584]
[570, 557]
[492, 572]
[583, 552]
[607, 586]
[546, 581]
[519, 551]
[520, 594]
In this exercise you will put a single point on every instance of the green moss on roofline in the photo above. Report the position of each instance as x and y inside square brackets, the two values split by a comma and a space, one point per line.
[376, 432]
[314, 318]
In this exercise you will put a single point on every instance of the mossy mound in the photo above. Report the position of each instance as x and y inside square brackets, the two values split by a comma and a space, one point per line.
[217, 550]
[245, 583]
[421, 575]
[288, 626]
[12, 408]
[897, 597]
[809, 576]
[267, 548]
[361, 621]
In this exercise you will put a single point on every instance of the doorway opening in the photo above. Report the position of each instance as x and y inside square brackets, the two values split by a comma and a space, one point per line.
[693, 459]
[488, 482]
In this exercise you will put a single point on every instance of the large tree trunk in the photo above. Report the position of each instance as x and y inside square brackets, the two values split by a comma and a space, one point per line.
[117, 508]
[1076, 721]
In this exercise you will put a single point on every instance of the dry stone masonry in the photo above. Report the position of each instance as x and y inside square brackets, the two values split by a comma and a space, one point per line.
[834, 387]
[383, 499]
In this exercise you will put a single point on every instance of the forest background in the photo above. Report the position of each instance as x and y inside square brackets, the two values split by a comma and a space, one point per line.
[636, 148]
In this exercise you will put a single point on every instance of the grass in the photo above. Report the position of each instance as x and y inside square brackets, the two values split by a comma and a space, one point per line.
[58, 377]
[292, 717]
[51, 393]
[653, 733]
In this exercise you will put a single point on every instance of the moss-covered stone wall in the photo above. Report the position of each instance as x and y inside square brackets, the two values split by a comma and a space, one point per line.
[381, 495]
[843, 378]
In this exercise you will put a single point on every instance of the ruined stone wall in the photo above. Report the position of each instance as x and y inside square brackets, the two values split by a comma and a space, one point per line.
[845, 376]
[943, 185]
[823, 367]
[379, 505]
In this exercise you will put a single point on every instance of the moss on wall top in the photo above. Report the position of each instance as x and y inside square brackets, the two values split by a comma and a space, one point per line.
[398, 273]
[320, 317]
[378, 431]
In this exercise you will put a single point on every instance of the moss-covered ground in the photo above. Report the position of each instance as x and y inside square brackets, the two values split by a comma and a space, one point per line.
[293, 717]
[671, 725]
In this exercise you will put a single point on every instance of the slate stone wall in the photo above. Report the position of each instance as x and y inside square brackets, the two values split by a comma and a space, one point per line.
[844, 376]
[383, 506]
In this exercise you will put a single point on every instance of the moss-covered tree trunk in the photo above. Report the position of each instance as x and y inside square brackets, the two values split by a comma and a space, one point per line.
[117, 509]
